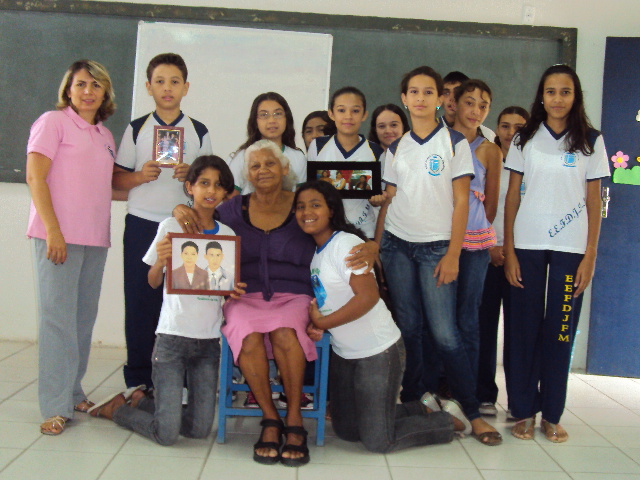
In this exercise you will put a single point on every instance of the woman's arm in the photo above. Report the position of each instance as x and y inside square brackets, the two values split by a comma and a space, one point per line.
[384, 201]
[38, 167]
[511, 207]
[594, 219]
[447, 268]
[187, 218]
[365, 297]
[492, 161]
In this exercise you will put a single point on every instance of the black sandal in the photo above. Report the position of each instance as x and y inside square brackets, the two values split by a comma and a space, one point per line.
[295, 462]
[266, 423]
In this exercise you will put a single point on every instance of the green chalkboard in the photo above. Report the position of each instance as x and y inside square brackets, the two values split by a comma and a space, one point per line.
[41, 39]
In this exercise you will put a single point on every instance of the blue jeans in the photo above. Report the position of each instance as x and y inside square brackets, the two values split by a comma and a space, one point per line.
[363, 404]
[473, 269]
[162, 419]
[425, 311]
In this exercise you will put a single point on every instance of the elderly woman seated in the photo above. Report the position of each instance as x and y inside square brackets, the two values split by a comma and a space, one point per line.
[270, 320]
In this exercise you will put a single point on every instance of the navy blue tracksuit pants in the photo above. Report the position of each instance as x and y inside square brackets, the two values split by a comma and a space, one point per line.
[542, 333]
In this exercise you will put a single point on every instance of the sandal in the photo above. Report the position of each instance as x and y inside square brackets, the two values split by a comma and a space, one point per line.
[554, 432]
[288, 447]
[84, 406]
[266, 460]
[523, 429]
[490, 439]
[53, 425]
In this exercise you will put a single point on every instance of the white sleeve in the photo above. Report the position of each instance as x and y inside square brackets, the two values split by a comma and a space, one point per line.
[126, 157]
[312, 151]
[462, 162]
[205, 149]
[298, 163]
[389, 174]
[152, 255]
[515, 159]
[598, 166]
[340, 253]
[236, 166]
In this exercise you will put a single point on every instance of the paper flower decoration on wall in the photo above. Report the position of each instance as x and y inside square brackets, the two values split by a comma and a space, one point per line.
[620, 160]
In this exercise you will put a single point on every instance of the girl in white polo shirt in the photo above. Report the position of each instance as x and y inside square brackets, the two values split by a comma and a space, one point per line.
[368, 355]
[550, 243]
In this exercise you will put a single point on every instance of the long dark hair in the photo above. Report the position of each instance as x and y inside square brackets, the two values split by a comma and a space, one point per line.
[338, 220]
[203, 162]
[253, 134]
[578, 124]
[373, 135]
[423, 70]
[512, 110]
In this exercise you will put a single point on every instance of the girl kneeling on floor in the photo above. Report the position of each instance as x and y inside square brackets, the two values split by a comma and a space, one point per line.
[368, 356]
[188, 334]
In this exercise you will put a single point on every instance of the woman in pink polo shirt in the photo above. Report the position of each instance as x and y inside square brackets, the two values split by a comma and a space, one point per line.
[70, 158]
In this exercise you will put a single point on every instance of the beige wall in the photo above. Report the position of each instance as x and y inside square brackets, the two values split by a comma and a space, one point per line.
[594, 19]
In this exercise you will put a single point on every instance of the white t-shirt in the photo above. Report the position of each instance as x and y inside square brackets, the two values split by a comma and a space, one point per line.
[297, 163]
[155, 200]
[192, 316]
[553, 213]
[327, 149]
[368, 335]
[488, 133]
[423, 170]
[498, 222]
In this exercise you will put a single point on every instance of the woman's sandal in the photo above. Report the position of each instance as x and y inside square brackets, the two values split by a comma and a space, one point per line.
[523, 429]
[267, 460]
[554, 432]
[53, 425]
[288, 447]
[84, 406]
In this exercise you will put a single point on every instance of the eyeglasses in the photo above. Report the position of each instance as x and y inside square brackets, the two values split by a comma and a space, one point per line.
[278, 114]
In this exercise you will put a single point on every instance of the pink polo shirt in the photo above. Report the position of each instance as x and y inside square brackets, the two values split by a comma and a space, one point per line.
[82, 157]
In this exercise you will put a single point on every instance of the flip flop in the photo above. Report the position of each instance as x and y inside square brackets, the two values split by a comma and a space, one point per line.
[84, 406]
[523, 429]
[490, 439]
[127, 394]
[554, 432]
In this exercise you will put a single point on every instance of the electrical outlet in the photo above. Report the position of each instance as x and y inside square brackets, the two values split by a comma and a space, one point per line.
[528, 14]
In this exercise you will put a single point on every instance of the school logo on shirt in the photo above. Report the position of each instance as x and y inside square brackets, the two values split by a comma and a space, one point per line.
[318, 289]
[435, 164]
[111, 152]
[569, 159]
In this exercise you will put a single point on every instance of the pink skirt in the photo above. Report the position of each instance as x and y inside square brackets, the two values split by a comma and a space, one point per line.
[253, 314]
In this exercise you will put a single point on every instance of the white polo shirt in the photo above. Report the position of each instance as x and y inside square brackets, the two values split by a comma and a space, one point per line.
[553, 213]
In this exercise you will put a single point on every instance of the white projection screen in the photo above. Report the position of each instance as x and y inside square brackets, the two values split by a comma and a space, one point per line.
[228, 67]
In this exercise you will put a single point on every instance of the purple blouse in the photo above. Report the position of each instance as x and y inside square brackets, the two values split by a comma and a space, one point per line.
[271, 262]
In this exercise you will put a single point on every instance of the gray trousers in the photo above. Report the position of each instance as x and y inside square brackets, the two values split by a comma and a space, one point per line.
[68, 296]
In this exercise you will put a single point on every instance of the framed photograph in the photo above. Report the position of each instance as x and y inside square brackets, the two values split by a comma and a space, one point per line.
[168, 145]
[352, 179]
[203, 264]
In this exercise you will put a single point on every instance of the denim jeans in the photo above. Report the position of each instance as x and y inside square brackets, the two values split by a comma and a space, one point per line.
[162, 419]
[363, 404]
[473, 269]
[425, 311]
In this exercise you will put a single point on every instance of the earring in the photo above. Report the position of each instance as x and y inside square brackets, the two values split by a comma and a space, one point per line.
[438, 107]
[406, 108]
[541, 102]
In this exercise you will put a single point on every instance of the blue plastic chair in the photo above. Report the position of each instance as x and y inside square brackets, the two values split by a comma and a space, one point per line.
[318, 389]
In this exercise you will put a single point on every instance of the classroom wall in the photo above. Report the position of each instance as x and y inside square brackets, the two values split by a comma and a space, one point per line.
[594, 20]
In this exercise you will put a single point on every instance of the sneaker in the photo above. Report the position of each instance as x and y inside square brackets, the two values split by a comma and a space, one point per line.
[431, 401]
[250, 401]
[488, 409]
[234, 394]
[306, 401]
[272, 382]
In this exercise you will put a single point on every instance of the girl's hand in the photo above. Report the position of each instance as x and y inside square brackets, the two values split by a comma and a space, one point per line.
[512, 269]
[180, 171]
[363, 255]
[584, 273]
[497, 256]
[187, 218]
[447, 269]
[150, 171]
[56, 247]
[314, 333]
[238, 291]
[163, 250]
[314, 312]
[378, 200]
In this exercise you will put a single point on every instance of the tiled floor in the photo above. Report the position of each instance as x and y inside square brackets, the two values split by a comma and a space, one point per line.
[602, 418]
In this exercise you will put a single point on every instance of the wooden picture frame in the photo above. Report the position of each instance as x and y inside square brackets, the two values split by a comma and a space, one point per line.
[352, 179]
[201, 253]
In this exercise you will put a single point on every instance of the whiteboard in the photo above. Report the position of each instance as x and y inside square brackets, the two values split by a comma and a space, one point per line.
[229, 67]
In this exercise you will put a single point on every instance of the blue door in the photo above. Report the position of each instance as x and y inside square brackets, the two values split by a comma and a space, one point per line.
[614, 332]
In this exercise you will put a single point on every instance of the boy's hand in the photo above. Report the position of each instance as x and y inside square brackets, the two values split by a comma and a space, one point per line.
[180, 171]
[150, 171]
[447, 269]
[314, 333]
[314, 313]
[238, 291]
[497, 256]
[378, 200]
[163, 249]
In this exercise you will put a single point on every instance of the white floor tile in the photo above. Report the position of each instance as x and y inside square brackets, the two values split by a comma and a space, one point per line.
[9, 348]
[82, 439]
[184, 447]
[11, 373]
[39, 465]
[18, 435]
[634, 453]
[511, 457]
[435, 456]
[8, 454]
[344, 472]
[592, 459]
[623, 437]
[29, 392]
[579, 436]
[9, 389]
[221, 469]
[20, 411]
[340, 452]
[413, 473]
[109, 353]
[611, 417]
[604, 476]
[156, 467]
[511, 475]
